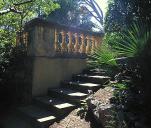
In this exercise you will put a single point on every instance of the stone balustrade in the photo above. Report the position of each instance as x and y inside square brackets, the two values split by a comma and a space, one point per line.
[75, 42]
[50, 39]
[55, 52]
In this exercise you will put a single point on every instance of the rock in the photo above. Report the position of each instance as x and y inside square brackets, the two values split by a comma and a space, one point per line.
[102, 112]
[105, 114]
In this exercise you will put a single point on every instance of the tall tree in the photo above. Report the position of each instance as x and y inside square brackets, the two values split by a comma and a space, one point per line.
[14, 13]
[121, 13]
[67, 14]
[78, 13]
[91, 7]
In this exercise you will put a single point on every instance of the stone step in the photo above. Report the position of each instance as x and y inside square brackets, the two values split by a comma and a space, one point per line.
[38, 117]
[97, 79]
[71, 95]
[95, 72]
[81, 86]
[58, 106]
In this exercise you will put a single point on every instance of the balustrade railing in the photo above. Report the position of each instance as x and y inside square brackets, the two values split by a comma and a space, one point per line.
[75, 42]
[64, 39]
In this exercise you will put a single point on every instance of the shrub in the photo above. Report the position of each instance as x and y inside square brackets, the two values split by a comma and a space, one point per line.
[102, 57]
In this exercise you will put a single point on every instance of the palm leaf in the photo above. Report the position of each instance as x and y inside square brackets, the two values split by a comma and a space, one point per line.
[102, 56]
[133, 41]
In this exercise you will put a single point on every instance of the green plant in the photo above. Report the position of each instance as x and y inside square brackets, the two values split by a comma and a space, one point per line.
[121, 14]
[133, 41]
[112, 38]
[130, 43]
[120, 86]
[103, 56]
[5, 52]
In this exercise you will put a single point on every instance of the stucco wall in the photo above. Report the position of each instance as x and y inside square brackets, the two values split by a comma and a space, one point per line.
[41, 42]
[51, 66]
[49, 72]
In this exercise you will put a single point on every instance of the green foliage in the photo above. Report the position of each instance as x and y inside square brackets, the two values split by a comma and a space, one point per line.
[78, 13]
[11, 22]
[5, 52]
[132, 91]
[36, 7]
[121, 13]
[119, 92]
[102, 56]
[125, 44]
[67, 14]
[44, 6]
[112, 38]
[120, 86]
[133, 41]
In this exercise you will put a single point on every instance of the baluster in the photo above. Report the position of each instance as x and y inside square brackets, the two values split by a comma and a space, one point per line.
[56, 45]
[76, 46]
[93, 43]
[98, 41]
[101, 40]
[88, 47]
[63, 44]
[70, 45]
[82, 48]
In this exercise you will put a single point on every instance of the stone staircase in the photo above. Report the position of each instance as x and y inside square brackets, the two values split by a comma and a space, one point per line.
[59, 102]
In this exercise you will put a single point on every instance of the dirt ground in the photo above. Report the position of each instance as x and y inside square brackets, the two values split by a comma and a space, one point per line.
[72, 121]
[104, 95]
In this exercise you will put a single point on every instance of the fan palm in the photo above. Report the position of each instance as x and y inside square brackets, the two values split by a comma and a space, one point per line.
[102, 56]
[133, 42]
[128, 44]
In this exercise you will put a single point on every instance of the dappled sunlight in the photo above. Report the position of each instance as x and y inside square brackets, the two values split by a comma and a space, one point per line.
[48, 118]
[77, 94]
[81, 63]
[63, 105]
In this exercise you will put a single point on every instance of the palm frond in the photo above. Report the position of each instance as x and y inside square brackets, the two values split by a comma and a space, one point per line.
[127, 44]
[102, 56]
[133, 41]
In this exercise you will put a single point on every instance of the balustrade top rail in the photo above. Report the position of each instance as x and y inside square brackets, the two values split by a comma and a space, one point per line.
[44, 38]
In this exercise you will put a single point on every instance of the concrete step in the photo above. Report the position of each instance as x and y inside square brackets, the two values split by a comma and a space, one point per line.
[81, 86]
[71, 95]
[95, 72]
[38, 117]
[58, 106]
[97, 79]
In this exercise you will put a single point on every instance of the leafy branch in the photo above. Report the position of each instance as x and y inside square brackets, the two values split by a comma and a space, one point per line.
[14, 8]
[94, 9]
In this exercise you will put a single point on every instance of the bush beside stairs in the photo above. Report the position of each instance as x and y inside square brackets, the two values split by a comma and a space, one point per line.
[59, 102]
